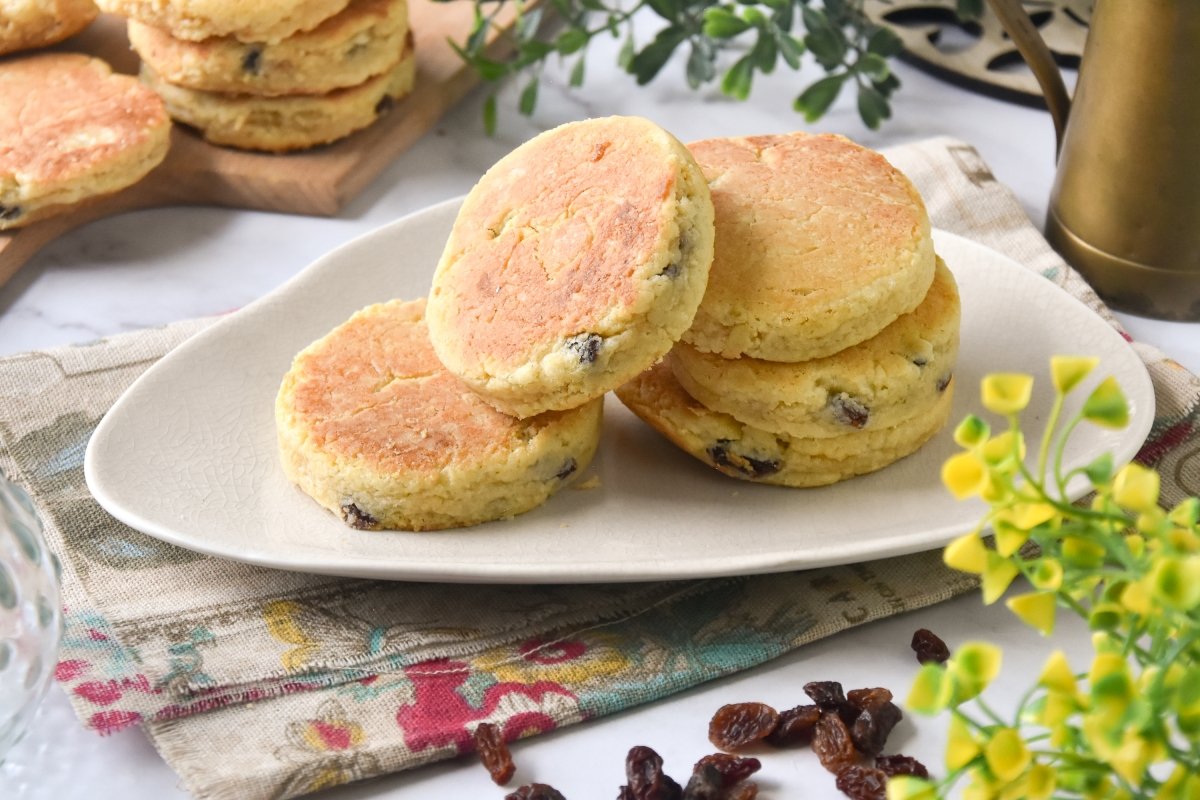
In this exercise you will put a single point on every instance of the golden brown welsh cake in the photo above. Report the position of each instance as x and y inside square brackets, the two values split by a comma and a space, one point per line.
[574, 264]
[373, 428]
[70, 129]
[26, 24]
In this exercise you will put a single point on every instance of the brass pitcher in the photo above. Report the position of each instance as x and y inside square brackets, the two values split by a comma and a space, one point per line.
[1125, 208]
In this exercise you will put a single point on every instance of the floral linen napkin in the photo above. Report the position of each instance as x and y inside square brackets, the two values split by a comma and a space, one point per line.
[255, 683]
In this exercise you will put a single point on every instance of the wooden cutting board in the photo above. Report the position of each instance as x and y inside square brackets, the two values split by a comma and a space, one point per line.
[318, 182]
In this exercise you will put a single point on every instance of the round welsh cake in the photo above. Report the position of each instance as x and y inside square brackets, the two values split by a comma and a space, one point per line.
[754, 454]
[363, 41]
[891, 378]
[373, 428]
[26, 24]
[574, 264]
[287, 122]
[255, 21]
[70, 130]
[821, 244]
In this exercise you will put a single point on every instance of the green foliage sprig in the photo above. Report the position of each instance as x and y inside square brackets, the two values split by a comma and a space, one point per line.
[850, 49]
[1129, 727]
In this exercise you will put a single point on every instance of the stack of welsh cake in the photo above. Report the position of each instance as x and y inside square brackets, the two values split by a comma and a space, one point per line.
[825, 344]
[273, 76]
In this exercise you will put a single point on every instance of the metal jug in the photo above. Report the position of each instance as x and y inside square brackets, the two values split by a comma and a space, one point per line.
[1125, 208]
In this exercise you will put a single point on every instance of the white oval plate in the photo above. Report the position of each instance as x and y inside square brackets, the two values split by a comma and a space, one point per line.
[188, 453]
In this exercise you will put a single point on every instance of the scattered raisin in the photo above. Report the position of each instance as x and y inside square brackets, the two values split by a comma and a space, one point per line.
[872, 727]
[746, 466]
[535, 791]
[833, 745]
[568, 469]
[356, 518]
[862, 783]
[828, 695]
[920, 361]
[646, 780]
[493, 752]
[385, 104]
[736, 725]
[733, 769]
[252, 60]
[849, 411]
[929, 647]
[900, 765]
[944, 381]
[795, 726]
[868, 699]
[706, 783]
[586, 346]
[673, 269]
[9, 213]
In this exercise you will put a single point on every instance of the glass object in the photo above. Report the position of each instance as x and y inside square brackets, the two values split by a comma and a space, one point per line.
[30, 614]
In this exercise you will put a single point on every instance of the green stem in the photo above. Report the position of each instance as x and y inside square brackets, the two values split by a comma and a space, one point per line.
[1048, 435]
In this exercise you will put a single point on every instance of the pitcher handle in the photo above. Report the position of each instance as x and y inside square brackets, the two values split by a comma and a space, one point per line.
[1033, 49]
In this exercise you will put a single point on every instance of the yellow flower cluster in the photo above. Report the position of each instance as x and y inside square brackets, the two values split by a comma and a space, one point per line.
[1130, 726]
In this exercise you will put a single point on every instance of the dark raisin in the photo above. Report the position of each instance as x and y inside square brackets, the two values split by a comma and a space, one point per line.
[738, 724]
[900, 765]
[746, 466]
[872, 727]
[862, 783]
[849, 411]
[828, 695]
[493, 752]
[868, 699]
[9, 213]
[355, 517]
[646, 780]
[833, 745]
[944, 381]
[385, 104]
[920, 361]
[706, 783]
[673, 269]
[535, 791]
[929, 647]
[252, 60]
[586, 346]
[733, 769]
[795, 728]
[568, 469]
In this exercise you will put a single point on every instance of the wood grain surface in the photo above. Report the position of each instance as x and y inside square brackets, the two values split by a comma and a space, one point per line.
[317, 182]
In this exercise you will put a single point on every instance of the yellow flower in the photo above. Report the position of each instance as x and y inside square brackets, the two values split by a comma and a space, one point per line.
[908, 787]
[1035, 609]
[1106, 406]
[997, 576]
[1006, 754]
[967, 553]
[1136, 488]
[961, 746]
[964, 475]
[1047, 575]
[1057, 675]
[1006, 393]
[1068, 371]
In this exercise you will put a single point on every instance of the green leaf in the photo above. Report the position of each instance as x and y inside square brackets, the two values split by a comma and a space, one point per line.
[884, 42]
[755, 18]
[647, 63]
[489, 115]
[814, 101]
[625, 56]
[764, 52]
[489, 70]
[789, 47]
[1100, 471]
[827, 46]
[969, 9]
[592, 5]
[737, 80]
[701, 64]
[814, 20]
[571, 41]
[527, 24]
[720, 23]
[872, 107]
[577, 72]
[529, 97]
[667, 9]
[874, 67]
[888, 85]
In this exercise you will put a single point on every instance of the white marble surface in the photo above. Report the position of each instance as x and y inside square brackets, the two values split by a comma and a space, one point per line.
[152, 267]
